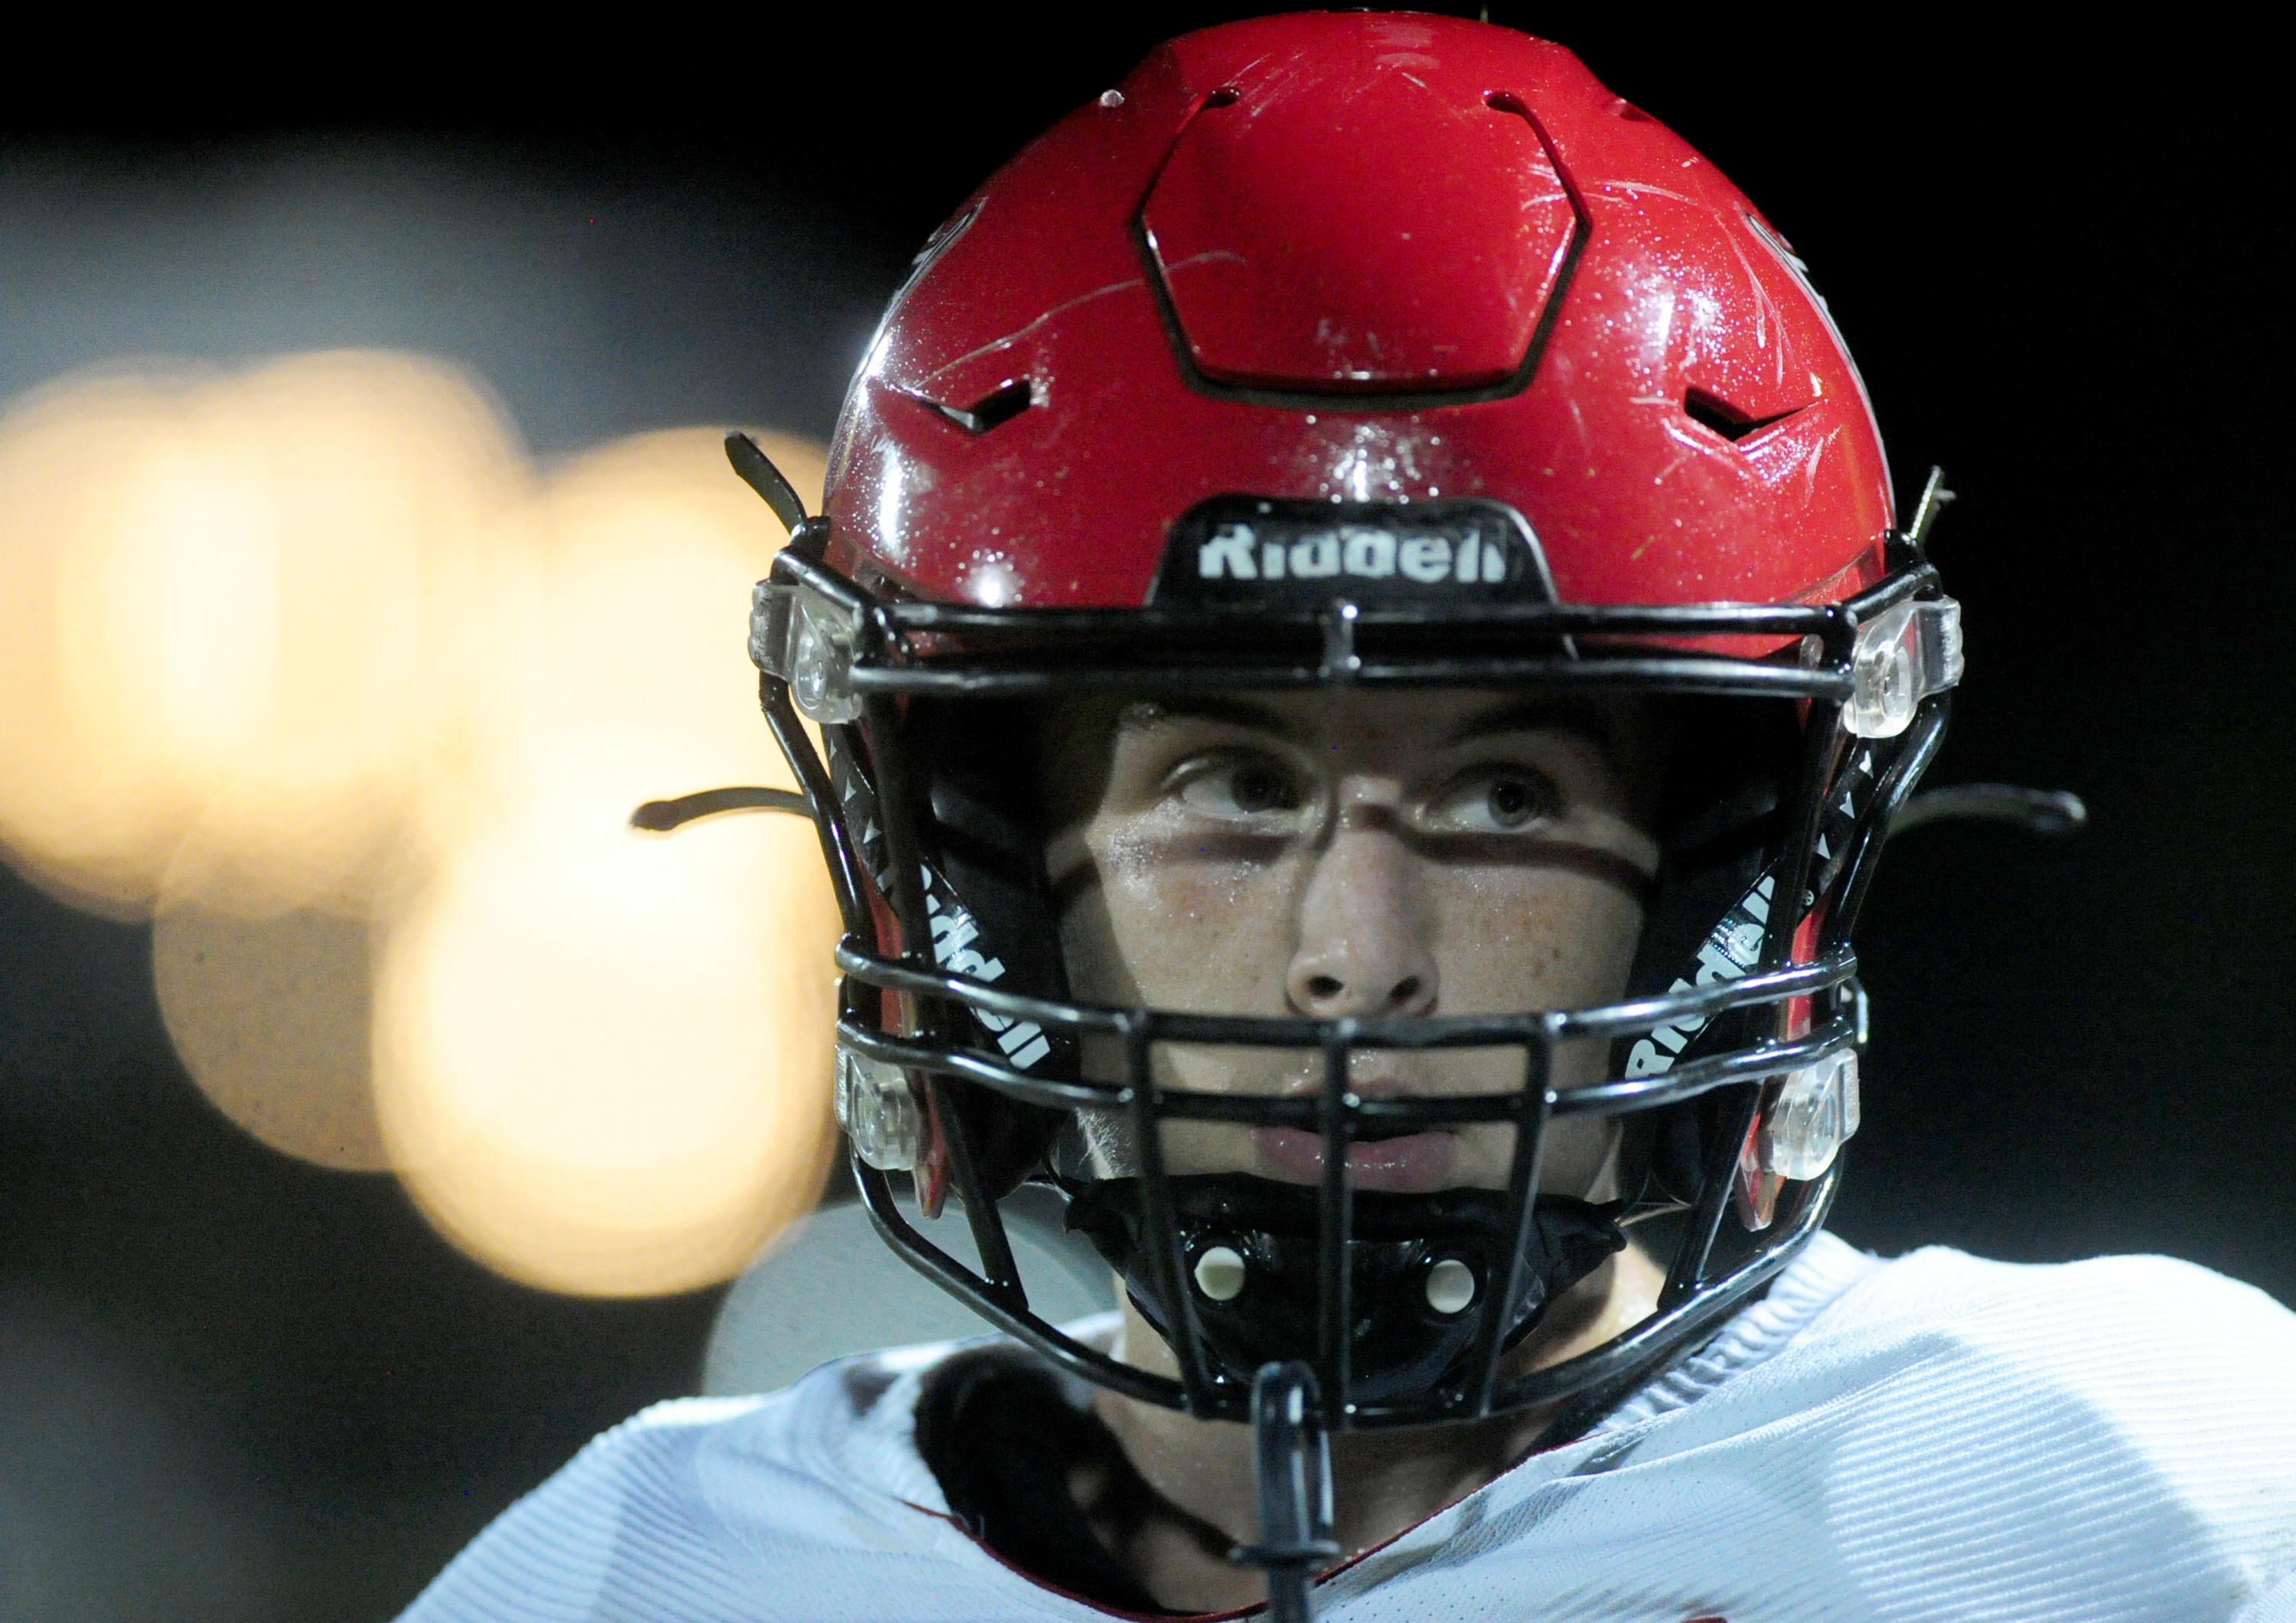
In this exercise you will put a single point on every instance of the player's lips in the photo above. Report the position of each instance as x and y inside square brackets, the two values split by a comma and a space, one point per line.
[1417, 1163]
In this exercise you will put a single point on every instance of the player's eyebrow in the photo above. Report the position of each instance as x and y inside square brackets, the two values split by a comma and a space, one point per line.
[1536, 715]
[1233, 713]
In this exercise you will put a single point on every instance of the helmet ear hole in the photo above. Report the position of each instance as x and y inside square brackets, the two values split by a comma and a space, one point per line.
[993, 918]
[1009, 1140]
[1679, 1152]
[1720, 822]
[1661, 1154]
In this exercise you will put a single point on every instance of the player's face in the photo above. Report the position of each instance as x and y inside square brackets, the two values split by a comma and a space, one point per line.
[1358, 854]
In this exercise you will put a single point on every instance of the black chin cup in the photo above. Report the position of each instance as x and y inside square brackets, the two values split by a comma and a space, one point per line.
[1423, 1270]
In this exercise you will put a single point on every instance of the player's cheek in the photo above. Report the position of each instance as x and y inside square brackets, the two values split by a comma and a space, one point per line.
[1509, 939]
[1211, 938]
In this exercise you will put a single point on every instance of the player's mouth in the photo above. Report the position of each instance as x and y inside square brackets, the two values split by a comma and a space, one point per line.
[1413, 1163]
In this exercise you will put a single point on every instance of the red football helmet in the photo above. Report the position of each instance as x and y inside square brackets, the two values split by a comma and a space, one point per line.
[1357, 350]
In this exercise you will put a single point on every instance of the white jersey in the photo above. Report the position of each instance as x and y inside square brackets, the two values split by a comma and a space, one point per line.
[1937, 1437]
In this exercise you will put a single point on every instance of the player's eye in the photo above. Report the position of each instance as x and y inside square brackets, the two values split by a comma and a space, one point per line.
[1239, 786]
[1497, 800]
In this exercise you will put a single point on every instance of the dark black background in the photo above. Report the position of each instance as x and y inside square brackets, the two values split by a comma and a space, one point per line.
[251, 1389]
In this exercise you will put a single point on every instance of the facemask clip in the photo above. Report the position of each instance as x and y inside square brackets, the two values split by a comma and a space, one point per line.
[798, 634]
[1902, 657]
[1815, 1114]
[879, 1112]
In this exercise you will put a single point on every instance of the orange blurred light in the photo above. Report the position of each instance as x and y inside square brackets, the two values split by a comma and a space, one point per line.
[305, 661]
[270, 1017]
[90, 802]
[234, 612]
[602, 1058]
[634, 611]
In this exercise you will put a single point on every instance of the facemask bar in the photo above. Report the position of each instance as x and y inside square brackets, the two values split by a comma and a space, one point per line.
[1334, 1117]
[837, 646]
[877, 652]
[1337, 1115]
[1331, 1114]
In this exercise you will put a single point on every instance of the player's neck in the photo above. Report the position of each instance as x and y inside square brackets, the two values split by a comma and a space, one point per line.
[1384, 1482]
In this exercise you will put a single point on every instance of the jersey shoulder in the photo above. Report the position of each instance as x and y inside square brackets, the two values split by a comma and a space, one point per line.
[2179, 1365]
[1936, 1436]
[2159, 1342]
[2125, 1423]
[811, 1502]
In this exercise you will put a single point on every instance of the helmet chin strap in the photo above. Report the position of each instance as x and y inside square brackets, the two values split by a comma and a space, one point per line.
[1423, 1271]
[1293, 1455]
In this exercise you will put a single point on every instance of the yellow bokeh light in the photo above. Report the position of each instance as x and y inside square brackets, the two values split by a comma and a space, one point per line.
[270, 1017]
[235, 613]
[602, 1058]
[307, 662]
[634, 611]
[90, 802]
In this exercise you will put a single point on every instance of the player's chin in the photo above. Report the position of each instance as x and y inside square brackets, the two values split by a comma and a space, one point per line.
[1415, 1164]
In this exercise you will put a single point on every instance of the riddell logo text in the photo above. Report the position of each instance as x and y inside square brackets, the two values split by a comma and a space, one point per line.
[1239, 552]
[953, 933]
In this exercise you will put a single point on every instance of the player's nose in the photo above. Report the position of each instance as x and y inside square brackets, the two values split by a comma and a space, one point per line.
[1363, 949]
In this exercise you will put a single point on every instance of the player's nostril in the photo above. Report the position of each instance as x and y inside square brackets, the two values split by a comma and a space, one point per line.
[1321, 986]
[1406, 991]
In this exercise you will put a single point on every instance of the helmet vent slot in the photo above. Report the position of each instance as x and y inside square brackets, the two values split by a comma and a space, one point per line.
[993, 410]
[1709, 411]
